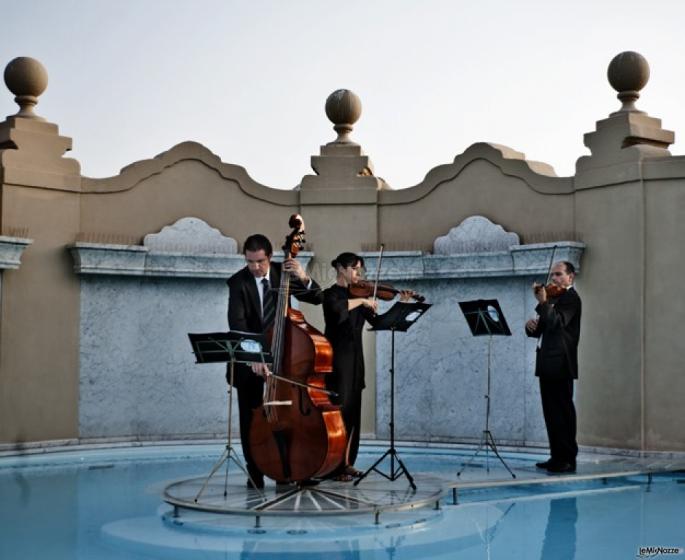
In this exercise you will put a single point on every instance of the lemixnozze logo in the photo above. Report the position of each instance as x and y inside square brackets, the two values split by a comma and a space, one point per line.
[652, 551]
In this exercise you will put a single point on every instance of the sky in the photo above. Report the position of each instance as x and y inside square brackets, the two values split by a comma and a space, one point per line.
[249, 79]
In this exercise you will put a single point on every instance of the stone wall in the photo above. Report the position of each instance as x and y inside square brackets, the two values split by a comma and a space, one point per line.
[441, 369]
[91, 295]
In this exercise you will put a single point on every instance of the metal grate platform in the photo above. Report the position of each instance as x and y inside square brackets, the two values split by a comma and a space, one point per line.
[328, 497]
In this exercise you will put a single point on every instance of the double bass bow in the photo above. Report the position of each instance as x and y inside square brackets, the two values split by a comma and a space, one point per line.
[297, 433]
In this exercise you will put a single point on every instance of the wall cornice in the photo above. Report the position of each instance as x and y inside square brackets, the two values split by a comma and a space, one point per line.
[664, 168]
[540, 177]
[11, 249]
[135, 173]
[519, 260]
[138, 260]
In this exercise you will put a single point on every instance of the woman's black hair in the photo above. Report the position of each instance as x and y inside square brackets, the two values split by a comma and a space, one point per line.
[347, 259]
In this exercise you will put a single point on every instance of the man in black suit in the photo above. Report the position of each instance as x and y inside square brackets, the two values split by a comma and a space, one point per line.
[253, 294]
[558, 330]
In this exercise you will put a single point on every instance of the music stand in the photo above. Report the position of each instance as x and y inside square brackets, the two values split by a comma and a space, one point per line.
[234, 347]
[485, 318]
[399, 317]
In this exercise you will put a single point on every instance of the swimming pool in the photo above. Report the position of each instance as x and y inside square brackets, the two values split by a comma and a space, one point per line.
[106, 504]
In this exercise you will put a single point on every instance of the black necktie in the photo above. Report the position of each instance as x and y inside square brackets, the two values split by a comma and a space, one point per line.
[268, 305]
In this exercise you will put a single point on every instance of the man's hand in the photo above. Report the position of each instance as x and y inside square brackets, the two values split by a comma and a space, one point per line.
[295, 269]
[540, 292]
[261, 369]
[406, 295]
[531, 325]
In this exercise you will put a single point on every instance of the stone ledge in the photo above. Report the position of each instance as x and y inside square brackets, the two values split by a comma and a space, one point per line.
[518, 260]
[11, 249]
[138, 260]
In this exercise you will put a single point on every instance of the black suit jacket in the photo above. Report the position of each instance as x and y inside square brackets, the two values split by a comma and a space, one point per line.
[244, 307]
[559, 326]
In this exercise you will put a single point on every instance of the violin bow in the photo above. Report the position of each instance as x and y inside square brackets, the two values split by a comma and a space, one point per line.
[378, 272]
[551, 262]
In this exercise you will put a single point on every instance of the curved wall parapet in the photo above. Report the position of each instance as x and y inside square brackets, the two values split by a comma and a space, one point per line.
[540, 177]
[138, 172]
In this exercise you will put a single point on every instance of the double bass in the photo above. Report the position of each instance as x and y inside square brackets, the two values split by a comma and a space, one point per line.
[297, 433]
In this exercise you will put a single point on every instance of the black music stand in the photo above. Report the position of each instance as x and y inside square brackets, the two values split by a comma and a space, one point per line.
[234, 347]
[485, 318]
[399, 317]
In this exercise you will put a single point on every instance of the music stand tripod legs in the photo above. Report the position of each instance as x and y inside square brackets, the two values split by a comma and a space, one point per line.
[229, 453]
[487, 440]
[391, 452]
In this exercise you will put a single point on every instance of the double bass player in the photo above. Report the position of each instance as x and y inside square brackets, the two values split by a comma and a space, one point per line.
[251, 308]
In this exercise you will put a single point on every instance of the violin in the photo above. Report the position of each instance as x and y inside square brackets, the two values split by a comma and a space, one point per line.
[553, 291]
[365, 289]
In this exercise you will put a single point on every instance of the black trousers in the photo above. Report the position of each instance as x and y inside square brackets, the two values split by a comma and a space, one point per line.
[352, 418]
[349, 398]
[250, 389]
[560, 417]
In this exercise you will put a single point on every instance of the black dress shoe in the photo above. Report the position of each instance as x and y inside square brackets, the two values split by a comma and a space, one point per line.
[544, 464]
[561, 468]
[283, 486]
[309, 482]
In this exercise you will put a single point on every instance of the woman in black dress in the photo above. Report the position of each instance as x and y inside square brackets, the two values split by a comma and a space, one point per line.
[345, 318]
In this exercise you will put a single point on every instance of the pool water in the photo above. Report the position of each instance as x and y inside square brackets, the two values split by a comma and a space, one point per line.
[106, 504]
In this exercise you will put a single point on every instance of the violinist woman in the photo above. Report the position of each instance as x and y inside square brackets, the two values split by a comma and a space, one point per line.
[345, 316]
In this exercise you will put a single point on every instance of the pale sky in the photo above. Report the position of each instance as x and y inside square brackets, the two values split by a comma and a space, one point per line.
[249, 79]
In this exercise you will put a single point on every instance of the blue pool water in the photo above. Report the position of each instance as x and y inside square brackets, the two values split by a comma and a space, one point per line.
[106, 504]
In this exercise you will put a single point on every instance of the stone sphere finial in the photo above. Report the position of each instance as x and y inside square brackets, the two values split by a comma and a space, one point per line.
[628, 73]
[26, 78]
[343, 109]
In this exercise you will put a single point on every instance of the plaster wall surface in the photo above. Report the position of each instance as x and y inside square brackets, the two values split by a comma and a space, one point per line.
[480, 188]
[186, 187]
[441, 368]
[609, 387]
[664, 382]
[40, 320]
[138, 373]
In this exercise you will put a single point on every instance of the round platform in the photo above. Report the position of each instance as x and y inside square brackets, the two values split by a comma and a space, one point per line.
[374, 494]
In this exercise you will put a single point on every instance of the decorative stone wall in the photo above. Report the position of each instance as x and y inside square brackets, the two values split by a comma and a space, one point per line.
[440, 368]
[88, 314]
[138, 376]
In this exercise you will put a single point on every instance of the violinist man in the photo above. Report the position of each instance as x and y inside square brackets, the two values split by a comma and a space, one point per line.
[557, 329]
[253, 297]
